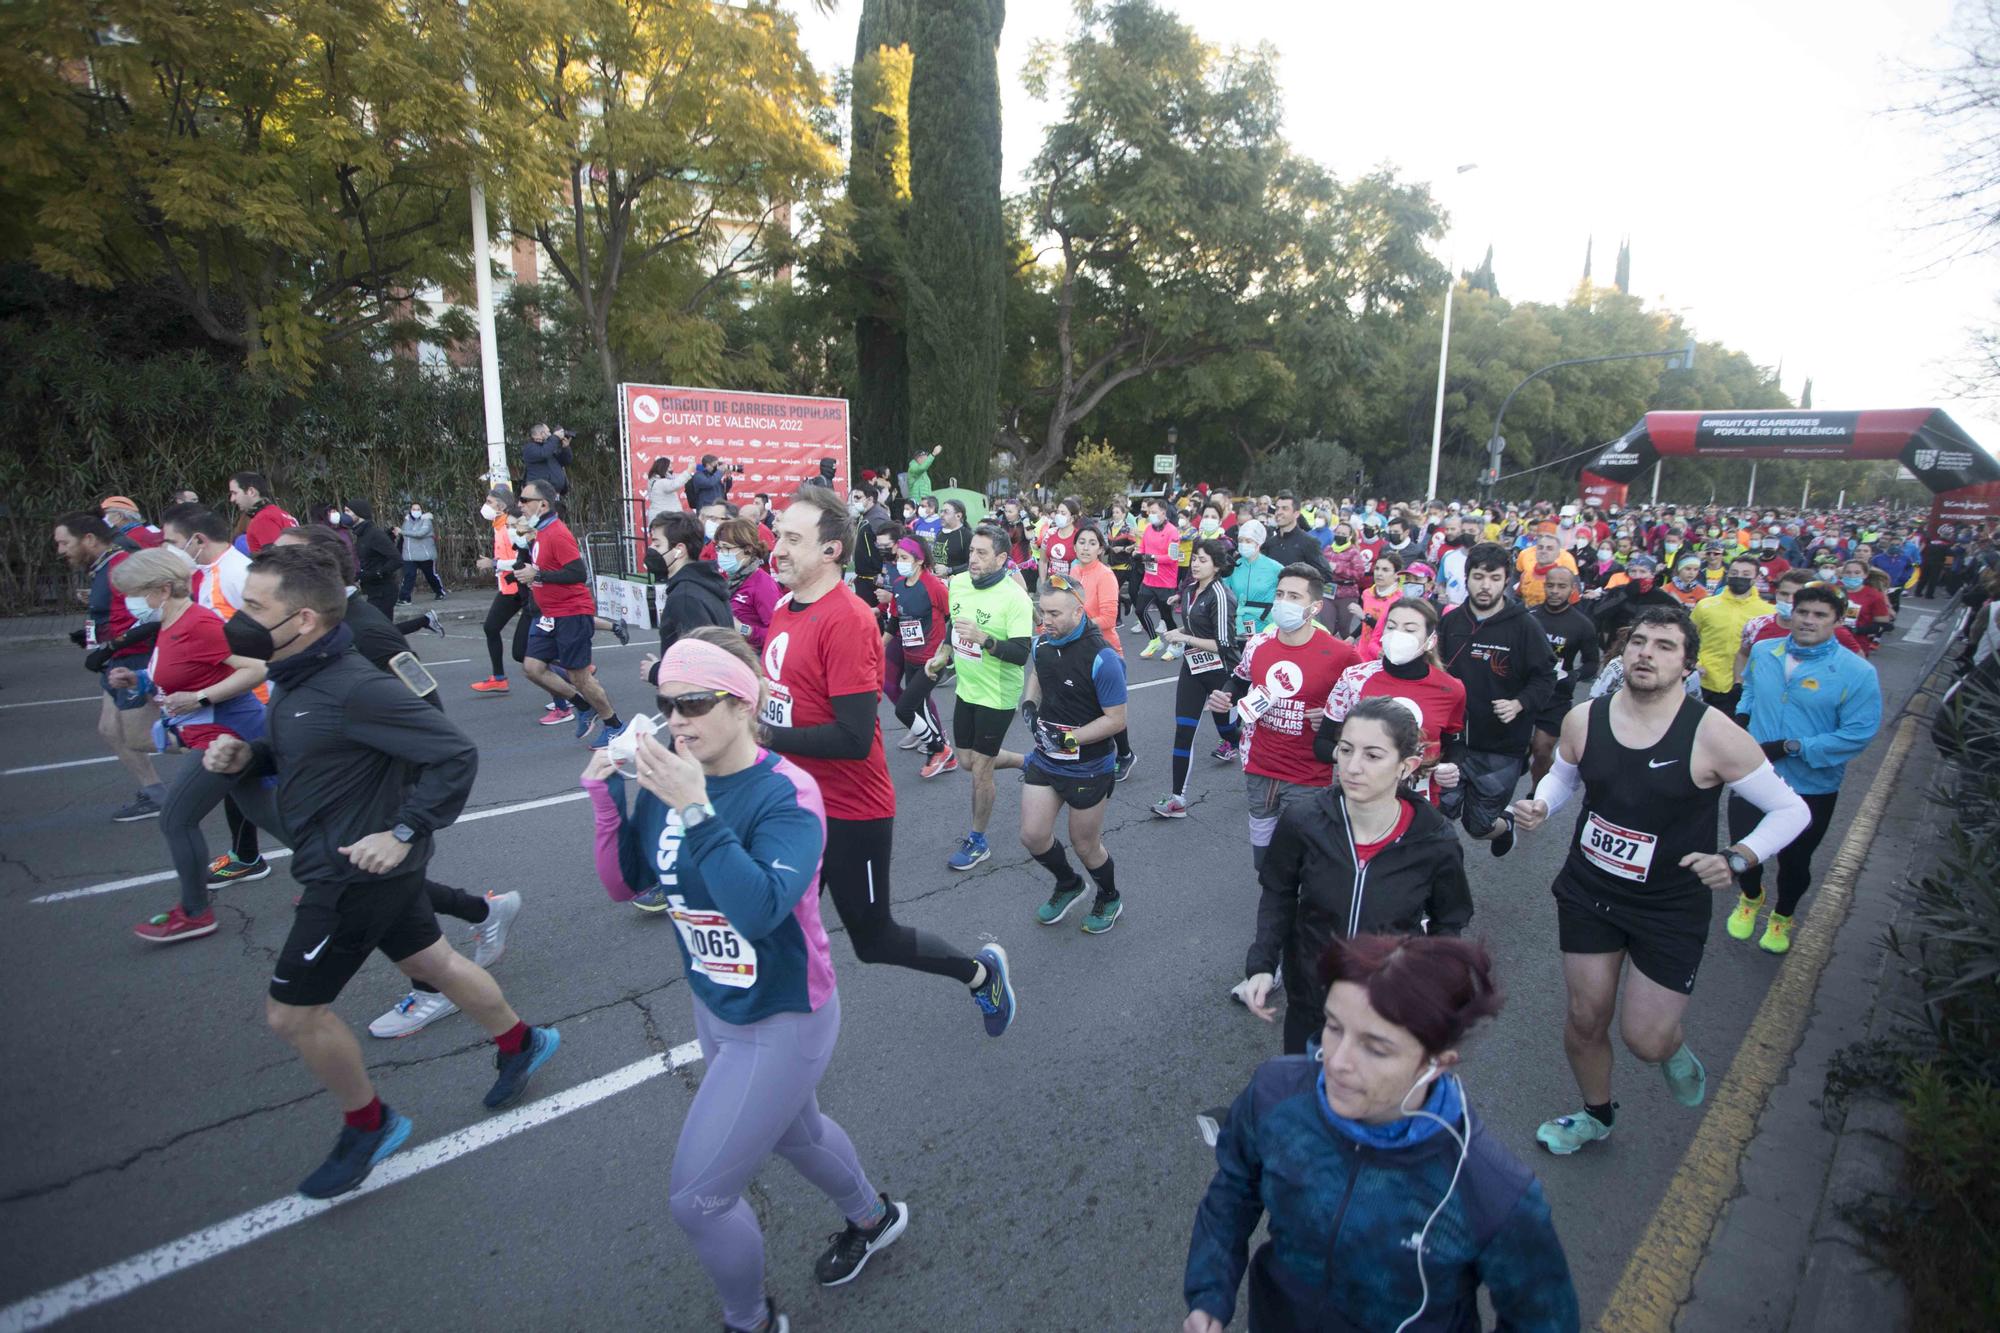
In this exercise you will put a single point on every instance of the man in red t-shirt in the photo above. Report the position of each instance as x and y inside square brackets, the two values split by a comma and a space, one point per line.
[1279, 690]
[263, 518]
[566, 619]
[823, 670]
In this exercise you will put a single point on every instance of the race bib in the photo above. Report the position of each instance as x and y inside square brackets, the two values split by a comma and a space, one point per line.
[1058, 567]
[777, 709]
[1053, 740]
[1152, 564]
[1199, 661]
[715, 948]
[1255, 704]
[546, 624]
[1626, 853]
[912, 631]
[967, 648]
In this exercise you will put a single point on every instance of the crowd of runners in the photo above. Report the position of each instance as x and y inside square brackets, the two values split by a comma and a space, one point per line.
[1380, 677]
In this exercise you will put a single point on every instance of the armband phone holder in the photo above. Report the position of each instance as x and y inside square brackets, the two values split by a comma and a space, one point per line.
[413, 674]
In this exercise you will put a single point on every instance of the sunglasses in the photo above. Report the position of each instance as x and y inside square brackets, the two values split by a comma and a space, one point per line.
[698, 704]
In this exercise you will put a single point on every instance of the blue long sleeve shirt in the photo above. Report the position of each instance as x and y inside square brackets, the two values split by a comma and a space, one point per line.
[1831, 704]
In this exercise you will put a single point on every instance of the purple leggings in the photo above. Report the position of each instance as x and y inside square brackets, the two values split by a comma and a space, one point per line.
[757, 1098]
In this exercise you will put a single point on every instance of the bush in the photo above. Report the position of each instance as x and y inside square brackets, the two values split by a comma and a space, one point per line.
[1306, 469]
[1097, 475]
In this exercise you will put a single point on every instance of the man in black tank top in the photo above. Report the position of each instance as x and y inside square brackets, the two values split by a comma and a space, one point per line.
[1642, 867]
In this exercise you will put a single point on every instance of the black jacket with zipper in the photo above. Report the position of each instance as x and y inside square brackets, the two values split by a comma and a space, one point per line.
[356, 753]
[1505, 656]
[1314, 893]
[697, 595]
[379, 564]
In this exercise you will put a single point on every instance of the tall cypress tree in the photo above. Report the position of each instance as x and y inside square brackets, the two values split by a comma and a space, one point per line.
[878, 189]
[1588, 243]
[1624, 278]
[955, 281]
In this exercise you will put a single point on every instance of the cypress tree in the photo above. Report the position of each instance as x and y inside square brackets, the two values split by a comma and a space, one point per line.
[1624, 278]
[955, 282]
[1587, 244]
[1481, 278]
[878, 188]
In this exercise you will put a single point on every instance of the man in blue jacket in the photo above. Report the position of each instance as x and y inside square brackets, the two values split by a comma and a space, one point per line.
[1813, 705]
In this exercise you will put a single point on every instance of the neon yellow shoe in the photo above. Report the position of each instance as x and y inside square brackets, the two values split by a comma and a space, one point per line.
[1151, 649]
[1777, 935]
[1742, 922]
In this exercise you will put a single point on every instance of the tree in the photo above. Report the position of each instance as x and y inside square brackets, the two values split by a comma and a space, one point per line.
[1482, 277]
[662, 139]
[870, 282]
[955, 283]
[288, 175]
[1588, 243]
[1805, 394]
[1624, 279]
[1097, 475]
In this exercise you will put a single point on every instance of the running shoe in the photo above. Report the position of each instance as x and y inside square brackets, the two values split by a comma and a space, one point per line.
[1686, 1078]
[1566, 1133]
[995, 996]
[1123, 768]
[139, 807]
[1210, 1123]
[489, 937]
[774, 1320]
[226, 869]
[1135, 628]
[1104, 914]
[1173, 652]
[1170, 807]
[911, 740]
[652, 900]
[354, 1155]
[852, 1248]
[491, 685]
[413, 1013]
[516, 1069]
[1742, 923]
[1152, 647]
[605, 733]
[1057, 907]
[1777, 935]
[1226, 752]
[970, 852]
[555, 715]
[1503, 844]
[586, 718]
[944, 761]
[173, 926]
[622, 632]
[433, 624]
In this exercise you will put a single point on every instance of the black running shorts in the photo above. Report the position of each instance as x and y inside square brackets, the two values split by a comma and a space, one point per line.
[1664, 941]
[977, 728]
[336, 926]
[1078, 791]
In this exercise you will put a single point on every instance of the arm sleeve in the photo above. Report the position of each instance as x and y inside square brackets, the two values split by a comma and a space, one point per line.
[1558, 784]
[383, 715]
[1450, 902]
[1013, 650]
[619, 867]
[1219, 1250]
[1328, 734]
[1856, 720]
[745, 878]
[573, 572]
[1278, 903]
[1785, 814]
[1526, 1272]
[850, 735]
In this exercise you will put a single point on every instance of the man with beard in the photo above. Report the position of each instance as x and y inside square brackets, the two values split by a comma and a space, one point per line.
[1641, 877]
[1572, 637]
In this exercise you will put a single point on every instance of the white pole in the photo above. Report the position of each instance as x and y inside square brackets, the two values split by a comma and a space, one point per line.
[1656, 482]
[1805, 494]
[1753, 485]
[489, 343]
[1444, 352]
[1841, 502]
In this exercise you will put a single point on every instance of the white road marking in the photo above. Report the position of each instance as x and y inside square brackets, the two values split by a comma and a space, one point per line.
[122, 1279]
[162, 876]
[1925, 628]
[42, 703]
[67, 763]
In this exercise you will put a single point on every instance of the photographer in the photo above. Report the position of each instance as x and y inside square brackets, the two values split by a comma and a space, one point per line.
[710, 483]
[546, 457]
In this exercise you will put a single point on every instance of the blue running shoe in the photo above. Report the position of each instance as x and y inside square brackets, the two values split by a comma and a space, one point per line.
[516, 1069]
[604, 735]
[585, 720]
[970, 852]
[995, 995]
[652, 900]
[354, 1155]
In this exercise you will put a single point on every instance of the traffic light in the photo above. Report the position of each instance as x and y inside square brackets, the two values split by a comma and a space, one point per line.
[1683, 359]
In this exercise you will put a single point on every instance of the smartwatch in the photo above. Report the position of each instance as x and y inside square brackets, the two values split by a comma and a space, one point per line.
[403, 833]
[696, 815]
[1791, 747]
[204, 701]
[1737, 864]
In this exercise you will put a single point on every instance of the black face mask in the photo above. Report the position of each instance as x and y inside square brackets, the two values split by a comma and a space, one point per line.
[656, 564]
[247, 638]
[1739, 585]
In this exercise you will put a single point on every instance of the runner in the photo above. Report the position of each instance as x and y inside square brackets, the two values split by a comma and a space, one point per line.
[1074, 703]
[1279, 690]
[1410, 670]
[1779, 623]
[1533, 566]
[499, 509]
[1498, 651]
[1360, 858]
[361, 786]
[263, 518]
[1212, 646]
[561, 634]
[1812, 706]
[113, 638]
[1254, 582]
[919, 613]
[1572, 637]
[1058, 544]
[1386, 589]
[734, 835]
[1158, 577]
[741, 548]
[1719, 618]
[1381, 1118]
[823, 664]
[1640, 878]
[1100, 603]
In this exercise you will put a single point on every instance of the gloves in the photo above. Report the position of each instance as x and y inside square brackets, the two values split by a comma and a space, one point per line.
[1775, 750]
[77, 637]
[1030, 713]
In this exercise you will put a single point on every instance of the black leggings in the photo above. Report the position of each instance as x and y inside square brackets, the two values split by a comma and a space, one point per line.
[1795, 861]
[855, 871]
[1153, 599]
[505, 607]
[1189, 693]
[917, 687]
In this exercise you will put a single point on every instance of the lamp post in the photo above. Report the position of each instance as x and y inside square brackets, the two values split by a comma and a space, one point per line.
[1678, 358]
[1444, 355]
[482, 289]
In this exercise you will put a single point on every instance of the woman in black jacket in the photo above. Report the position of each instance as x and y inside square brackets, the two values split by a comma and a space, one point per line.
[1364, 857]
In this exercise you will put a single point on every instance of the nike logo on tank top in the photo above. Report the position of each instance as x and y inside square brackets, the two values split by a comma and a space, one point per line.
[1642, 811]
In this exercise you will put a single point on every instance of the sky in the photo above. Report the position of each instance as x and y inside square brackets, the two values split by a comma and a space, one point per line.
[1747, 147]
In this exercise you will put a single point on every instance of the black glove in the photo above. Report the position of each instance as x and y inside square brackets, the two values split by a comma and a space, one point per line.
[1030, 713]
[1775, 750]
[79, 638]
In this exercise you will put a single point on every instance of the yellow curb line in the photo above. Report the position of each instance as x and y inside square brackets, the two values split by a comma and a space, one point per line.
[1660, 1275]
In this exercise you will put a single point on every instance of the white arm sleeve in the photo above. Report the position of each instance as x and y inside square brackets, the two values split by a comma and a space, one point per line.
[1785, 814]
[1560, 784]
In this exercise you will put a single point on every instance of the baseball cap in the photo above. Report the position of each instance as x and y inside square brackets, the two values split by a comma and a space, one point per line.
[1642, 561]
[119, 502]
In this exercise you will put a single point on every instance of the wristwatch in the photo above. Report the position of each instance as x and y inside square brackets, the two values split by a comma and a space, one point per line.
[1791, 747]
[696, 815]
[403, 833]
[1738, 865]
[203, 700]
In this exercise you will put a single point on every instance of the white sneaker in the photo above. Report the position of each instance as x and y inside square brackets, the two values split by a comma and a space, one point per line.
[413, 1013]
[489, 937]
[910, 741]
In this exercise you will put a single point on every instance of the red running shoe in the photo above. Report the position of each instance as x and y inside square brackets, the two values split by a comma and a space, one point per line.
[172, 927]
[944, 761]
[555, 717]
[491, 685]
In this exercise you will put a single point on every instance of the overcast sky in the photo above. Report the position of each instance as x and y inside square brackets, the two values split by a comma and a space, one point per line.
[1745, 146]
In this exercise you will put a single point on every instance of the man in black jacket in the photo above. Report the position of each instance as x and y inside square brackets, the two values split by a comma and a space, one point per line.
[367, 772]
[378, 562]
[546, 457]
[1499, 653]
[697, 594]
[1291, 543]
[1572, 637]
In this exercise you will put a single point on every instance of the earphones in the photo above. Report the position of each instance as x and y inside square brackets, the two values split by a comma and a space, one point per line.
[1464, 1141]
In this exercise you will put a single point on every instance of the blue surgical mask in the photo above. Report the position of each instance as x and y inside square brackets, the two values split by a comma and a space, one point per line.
[1852, 581]
[1784, 610]
[1248, 550]
[727, 561]
[906, 568]
[1288, 616]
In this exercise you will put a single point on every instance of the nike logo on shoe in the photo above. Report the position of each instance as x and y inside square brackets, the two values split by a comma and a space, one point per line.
[314, 951]
[1660, 763]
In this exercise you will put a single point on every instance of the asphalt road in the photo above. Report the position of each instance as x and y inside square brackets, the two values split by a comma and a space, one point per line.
[1052, 1174]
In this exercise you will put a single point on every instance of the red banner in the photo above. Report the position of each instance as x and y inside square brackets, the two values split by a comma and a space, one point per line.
[770, 441]
[1601, 492]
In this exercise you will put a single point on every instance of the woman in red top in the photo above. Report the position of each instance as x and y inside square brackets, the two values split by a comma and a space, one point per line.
[1872, 616]
[916, 624]
[204, 691]
[1408, 669]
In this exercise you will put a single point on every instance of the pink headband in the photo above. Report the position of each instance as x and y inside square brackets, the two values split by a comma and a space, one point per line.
[915, 550]
[706, 666]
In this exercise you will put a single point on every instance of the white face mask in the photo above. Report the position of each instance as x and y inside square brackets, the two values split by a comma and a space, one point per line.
[1248, 550]
[708, 527]
[1401, 647]
[1288, 616]
[906, 568]
[488, 512]
[333, 517]
[1413, 590]
[1211, 525]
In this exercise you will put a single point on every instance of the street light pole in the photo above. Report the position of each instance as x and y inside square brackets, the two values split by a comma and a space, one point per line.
[482, 295]
[1678, 358]
[1444, 355]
